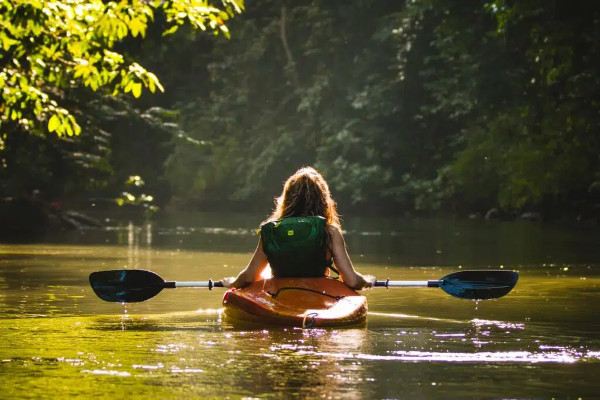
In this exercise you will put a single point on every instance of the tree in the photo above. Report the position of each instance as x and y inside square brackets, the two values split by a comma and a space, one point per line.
[52, 47]
[303, 82]
[514, 84]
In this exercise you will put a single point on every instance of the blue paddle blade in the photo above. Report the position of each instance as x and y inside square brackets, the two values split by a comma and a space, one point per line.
[479, 285]
[126, 285]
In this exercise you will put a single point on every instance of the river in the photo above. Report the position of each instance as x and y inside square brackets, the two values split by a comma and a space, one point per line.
[540, 341]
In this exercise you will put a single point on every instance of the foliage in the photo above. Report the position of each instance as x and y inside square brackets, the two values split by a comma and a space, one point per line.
[426, 106]
[134, 196]
[62, 64]
[454, 106]
[281, 95]
[515, 83]
[50, 47]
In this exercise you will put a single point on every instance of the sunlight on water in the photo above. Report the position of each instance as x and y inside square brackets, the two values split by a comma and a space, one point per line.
[499, 324]
[563, 356]
[408, 316]
[106, 372]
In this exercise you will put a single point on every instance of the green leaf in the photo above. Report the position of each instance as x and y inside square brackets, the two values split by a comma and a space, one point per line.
[136, 90]
[54, 123]
[137, 27]
[171, 30]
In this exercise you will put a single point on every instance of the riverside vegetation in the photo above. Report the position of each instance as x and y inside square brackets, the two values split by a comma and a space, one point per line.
[429, 107]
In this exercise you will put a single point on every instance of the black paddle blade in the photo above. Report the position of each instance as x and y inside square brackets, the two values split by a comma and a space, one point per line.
[126, 285]
[479, 285]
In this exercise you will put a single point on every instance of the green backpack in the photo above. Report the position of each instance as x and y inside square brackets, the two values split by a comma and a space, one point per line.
[296, 247]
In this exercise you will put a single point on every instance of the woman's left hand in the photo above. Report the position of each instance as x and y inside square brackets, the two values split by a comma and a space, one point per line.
[228, 281]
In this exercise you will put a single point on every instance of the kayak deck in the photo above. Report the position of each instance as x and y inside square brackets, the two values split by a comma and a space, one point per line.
[304, 302]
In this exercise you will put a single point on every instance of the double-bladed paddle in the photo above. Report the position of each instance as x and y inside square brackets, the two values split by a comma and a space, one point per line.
[134, 285]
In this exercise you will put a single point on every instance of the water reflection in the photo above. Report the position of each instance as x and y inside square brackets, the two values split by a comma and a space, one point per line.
[394, 240]
[290, 361]
[138, 240]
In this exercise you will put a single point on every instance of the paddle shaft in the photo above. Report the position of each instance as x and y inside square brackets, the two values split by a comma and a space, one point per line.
[210, 284]
[388, 283]
[201, 284]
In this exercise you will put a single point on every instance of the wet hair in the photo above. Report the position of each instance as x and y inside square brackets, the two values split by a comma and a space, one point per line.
[306, 193]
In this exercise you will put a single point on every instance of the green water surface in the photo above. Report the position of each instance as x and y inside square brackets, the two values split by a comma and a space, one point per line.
[541, 341]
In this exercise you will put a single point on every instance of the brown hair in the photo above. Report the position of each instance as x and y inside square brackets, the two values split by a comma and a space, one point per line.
[306, 193]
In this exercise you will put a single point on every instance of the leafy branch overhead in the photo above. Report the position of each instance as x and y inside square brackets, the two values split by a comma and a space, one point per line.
[134, 184]
[51, 47]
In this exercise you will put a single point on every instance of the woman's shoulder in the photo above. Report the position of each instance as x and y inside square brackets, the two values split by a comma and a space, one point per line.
[334, 230]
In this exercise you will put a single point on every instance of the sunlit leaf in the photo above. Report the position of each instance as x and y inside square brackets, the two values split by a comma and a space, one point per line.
[171, 30]
[136, 90]
[53, 123]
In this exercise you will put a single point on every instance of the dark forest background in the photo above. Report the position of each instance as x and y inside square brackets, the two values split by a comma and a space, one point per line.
[453, 107]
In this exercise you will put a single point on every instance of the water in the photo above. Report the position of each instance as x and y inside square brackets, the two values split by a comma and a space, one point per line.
[540, 341]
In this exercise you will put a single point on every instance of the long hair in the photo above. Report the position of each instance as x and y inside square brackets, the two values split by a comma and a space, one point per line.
[306, 193]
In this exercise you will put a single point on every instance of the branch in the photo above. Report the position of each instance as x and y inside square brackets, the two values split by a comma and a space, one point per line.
[291, 64]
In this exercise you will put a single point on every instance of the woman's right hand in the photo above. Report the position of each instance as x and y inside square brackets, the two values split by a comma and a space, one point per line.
[370, 281]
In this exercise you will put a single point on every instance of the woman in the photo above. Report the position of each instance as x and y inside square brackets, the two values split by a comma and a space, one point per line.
[303, 236]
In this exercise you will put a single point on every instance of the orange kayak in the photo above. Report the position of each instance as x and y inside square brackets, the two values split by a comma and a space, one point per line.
[305, 302]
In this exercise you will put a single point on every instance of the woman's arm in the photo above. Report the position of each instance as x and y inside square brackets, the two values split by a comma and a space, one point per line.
[252, 271]
[350, 276]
